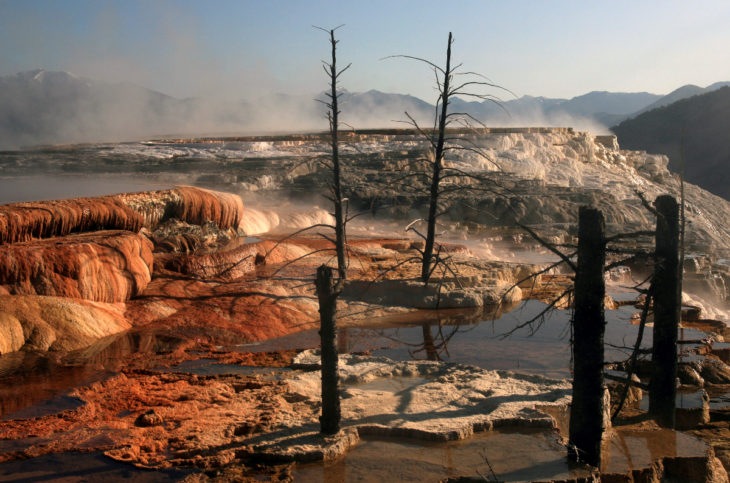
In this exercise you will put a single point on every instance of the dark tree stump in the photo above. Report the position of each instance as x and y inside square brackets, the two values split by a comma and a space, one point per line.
[667, 306]
[588, 409]
[330, 418]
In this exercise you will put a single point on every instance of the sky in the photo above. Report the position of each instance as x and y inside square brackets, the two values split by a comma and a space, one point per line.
[245, 48]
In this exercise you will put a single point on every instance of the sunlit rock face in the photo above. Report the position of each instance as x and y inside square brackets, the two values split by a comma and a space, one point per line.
[32, 322]
[235, 259]
[44, 219]
[186, 203]
[106, 266]
[41, 255]
[56, 248]
[57, 258]
[541, 178]
[25, 221]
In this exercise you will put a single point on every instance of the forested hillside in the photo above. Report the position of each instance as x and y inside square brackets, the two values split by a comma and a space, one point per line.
[706, 122]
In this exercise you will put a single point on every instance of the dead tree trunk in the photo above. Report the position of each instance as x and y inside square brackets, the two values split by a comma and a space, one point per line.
[438, 157]
[450, 82]
[336, 184]
[330, 418]
[333, 113]
[588, 408]
[667, 306]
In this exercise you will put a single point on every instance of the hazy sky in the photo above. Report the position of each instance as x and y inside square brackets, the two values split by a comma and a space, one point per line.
[249, 48]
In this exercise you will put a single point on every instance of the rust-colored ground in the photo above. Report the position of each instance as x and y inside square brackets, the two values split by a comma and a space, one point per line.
[163, 419]
[187, 420]
[167, 419]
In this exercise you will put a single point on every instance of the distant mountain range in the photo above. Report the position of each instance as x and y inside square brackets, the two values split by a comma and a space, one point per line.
[702, 121]
[57, 107]
[593, 111]
[683, 92]
[44, 107]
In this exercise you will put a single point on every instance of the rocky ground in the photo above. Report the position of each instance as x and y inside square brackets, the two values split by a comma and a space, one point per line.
[175, 291]
[137, 306]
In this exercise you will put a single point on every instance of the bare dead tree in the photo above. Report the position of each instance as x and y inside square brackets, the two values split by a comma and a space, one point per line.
[327, 290]
[333, 113]
[449, 84]
[438, 155]
[333, 164]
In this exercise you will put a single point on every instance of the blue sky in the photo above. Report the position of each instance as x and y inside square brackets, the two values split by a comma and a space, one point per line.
[248, 48]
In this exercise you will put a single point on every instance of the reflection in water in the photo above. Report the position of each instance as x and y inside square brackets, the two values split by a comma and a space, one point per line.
[514, 455]
[719, 396]
[685, 399]
[469, 337]
[432, 353]
[519, 455]
[44, 187]
[211, 367]
[30, 378]
[480, 344]
[69, 467]
[111, 352]
[432, 346]
[628, 450]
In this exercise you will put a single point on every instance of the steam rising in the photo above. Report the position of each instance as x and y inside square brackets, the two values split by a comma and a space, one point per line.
[43, 107]
[258, 221]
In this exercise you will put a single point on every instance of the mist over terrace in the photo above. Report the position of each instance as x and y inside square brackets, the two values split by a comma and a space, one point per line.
[43, 107]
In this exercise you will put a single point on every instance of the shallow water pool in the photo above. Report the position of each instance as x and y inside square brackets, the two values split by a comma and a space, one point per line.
[542, 348]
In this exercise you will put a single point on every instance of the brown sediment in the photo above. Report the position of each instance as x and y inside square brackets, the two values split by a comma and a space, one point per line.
[44, 219]
[188, 204]
[236, 259]
[234, 312]
[21, 222]
[192, 419]
[707, 325]
[107, 266]
[281, 358]
[43, 323]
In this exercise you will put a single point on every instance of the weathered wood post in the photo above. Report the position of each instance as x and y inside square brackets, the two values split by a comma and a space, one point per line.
[667, 306]
[330, 418]
[588, 409]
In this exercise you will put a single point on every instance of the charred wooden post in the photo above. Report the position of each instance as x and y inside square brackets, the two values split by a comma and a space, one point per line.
[667, 306]
[330, 418]
[587, 421]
